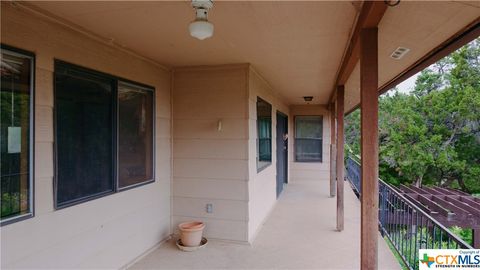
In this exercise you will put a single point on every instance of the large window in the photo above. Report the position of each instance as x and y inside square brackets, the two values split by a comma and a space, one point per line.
[104, 134]
[16, 135]
[308, 138]
[264, 134]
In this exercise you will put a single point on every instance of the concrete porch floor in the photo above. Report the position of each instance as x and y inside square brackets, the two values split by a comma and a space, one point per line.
[299, 234]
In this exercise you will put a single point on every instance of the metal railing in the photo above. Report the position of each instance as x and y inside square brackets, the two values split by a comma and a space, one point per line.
[353, 175]
[404, 224]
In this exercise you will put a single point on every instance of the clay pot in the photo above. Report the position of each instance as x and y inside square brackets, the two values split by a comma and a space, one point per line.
[191, 233]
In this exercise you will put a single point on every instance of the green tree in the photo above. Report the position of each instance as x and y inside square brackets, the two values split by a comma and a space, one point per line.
[432, 136]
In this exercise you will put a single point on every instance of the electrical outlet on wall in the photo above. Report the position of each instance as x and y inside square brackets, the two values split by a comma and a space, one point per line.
[209, 208]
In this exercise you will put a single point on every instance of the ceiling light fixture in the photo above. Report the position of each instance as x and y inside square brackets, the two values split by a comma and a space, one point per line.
[391, 3]
[201, 28]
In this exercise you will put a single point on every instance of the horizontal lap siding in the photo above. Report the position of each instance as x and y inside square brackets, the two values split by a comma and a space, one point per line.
[262, 185]
[210, 189]
[108, 232]
[211, 166]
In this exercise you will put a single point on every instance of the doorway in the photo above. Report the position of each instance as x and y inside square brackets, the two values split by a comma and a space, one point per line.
[282, 151]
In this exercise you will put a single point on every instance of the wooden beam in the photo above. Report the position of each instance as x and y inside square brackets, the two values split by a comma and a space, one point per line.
[370, 16]
[432, 191]
[476, 238]
[444, 191]
[470, 200]
[369, 147]
[333, 152]
[468, 208]
[452, 208]
[340, 157]
[459, 212]
[414, 200]
[425, 200]
[406, 189]
[458, 191]
[418, 190]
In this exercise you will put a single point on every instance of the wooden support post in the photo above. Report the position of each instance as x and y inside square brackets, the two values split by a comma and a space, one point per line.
[476, 238]
[369, 147]
[333, 152]
[340, 153]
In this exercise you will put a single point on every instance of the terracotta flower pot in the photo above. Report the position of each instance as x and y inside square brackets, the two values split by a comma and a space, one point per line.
[191, 233]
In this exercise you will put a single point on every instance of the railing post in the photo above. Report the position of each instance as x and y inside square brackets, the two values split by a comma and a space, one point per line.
[369, 147]
[340, 157]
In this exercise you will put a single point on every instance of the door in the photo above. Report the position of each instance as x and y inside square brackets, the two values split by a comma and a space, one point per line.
[282, 151]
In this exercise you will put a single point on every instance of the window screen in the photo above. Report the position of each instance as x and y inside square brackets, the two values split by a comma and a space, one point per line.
[308, 138]
[84, 134]
[264, 134]
[135, 134]
[16, 137]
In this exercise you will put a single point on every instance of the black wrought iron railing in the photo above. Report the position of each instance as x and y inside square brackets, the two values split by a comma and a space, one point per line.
[354, 174]
[403, 223]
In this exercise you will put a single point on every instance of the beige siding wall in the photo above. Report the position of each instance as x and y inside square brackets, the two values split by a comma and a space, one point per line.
[211, 165]
[261, 185]
[301, 171]
[208, 165]
[219, 167]
[108, 232]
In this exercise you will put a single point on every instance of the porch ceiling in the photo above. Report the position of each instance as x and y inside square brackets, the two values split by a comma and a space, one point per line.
[296, 46]
[419, 26]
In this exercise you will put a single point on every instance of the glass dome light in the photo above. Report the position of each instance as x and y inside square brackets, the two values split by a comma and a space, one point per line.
[201, 28]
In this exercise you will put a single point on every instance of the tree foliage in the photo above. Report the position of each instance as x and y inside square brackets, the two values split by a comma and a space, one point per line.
[431, 136]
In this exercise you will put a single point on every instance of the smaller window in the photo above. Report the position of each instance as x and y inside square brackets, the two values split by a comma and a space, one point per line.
[135, 135]
[264, 134]
[308, 138]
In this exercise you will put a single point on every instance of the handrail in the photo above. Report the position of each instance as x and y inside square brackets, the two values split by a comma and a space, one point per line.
[407, 226]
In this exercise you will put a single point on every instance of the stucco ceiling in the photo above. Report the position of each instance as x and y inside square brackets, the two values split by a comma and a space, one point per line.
[296, 46]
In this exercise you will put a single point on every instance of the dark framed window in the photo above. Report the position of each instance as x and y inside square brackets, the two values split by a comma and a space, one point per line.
[103, 132]
[308, 138]
[16, 169]
[135, 134]
[264, 134]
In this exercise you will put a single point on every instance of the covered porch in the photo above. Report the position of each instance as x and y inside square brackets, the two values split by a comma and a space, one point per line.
[134, 126]
[298, 234]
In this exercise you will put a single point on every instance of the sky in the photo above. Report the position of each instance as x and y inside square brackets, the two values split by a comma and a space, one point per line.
[407, 85]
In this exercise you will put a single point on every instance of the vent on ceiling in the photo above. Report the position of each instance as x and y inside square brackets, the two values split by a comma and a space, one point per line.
[399, 53]
[308, 98]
